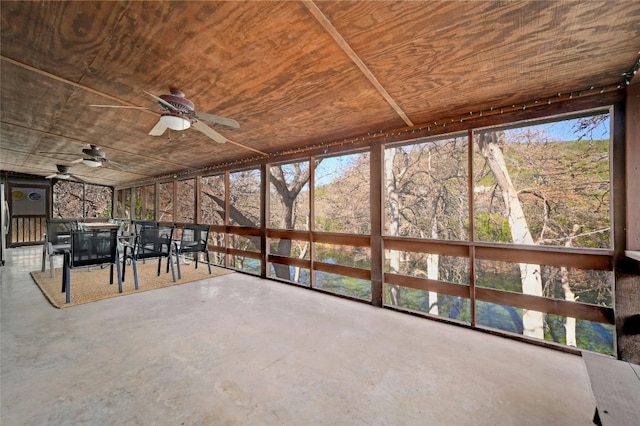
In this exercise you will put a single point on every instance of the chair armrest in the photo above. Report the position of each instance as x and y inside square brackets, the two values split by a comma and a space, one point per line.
[128, 247]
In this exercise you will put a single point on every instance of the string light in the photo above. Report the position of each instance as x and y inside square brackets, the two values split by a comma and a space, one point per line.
[325, 146]
[629, 74]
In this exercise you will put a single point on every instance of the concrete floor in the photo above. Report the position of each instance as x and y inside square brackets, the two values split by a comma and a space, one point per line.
[238, 350]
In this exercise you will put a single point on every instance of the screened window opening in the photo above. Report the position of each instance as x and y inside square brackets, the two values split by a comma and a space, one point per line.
[342, 194]
[244, 189]
[213, 200]
[165, 214]
[545, 184]
[289, 196]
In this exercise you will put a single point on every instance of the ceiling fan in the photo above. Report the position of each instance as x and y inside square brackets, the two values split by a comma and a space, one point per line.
[178, 113]
[92, 157]
[63, 173]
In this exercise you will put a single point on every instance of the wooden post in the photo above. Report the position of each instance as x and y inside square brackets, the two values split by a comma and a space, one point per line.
[264, 218]
[377, 223]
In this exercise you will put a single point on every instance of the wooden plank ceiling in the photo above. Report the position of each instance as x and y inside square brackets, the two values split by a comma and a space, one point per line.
[293, 73]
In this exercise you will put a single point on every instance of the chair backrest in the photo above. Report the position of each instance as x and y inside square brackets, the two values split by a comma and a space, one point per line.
[139, 224]
[59, 230]
[153, 240]
[94, 247]
[194, 238]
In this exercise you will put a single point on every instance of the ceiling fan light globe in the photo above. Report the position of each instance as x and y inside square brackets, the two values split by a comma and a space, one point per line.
[91, 163]
[175, 123]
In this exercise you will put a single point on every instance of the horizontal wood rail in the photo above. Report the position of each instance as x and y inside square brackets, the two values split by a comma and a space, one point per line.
[564, 308]
[235, 252]
[290, 261]
[596, 259]
[417, 245]
[244, 253]
[355, 240]
[220, 229]
[363, 274]
[243, 230]
[459, 290]
[288, 234]
[601, 314]
[217, 249]
[583, 259]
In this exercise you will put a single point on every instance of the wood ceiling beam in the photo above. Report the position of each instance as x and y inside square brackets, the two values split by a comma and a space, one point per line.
[99, 93]
[322, 19]
[71, 83]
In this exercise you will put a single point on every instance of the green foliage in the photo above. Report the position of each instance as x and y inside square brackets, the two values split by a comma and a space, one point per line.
[594, 336]
[326, 224]
[492, 227]
[499, 281]
[353, 287]
[454, 307]
[138, 207]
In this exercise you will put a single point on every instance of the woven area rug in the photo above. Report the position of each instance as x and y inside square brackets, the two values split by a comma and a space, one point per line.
[90, 285]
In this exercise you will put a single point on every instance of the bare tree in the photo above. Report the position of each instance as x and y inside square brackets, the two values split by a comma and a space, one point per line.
[391, 178]
[288, 185]
[490, 147]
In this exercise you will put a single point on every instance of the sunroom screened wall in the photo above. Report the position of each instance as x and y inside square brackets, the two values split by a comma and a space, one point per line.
[508, 228]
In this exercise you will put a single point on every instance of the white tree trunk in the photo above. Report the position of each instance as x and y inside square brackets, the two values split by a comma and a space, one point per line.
[570, 325]
[433, 261]
[394, 218]
[296, 270]
[532, 321]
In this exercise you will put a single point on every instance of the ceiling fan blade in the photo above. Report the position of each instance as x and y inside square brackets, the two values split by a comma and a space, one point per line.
[51, 176]
[79, 160]
[118, 106]
[208, 131]
[211, 118]
[158, 129]
[162, 101]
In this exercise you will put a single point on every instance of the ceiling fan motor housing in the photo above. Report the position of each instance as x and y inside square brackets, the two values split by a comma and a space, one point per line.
[178, 101]
[94, 152]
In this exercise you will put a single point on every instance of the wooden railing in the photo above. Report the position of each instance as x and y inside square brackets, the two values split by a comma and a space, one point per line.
[584, 259]
[30, 230]
[27, 230]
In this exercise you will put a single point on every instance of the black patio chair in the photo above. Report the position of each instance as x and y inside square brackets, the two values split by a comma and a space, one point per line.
[136, 227]
[138, 224]
[151, 241]
[87, 248]
[57, 240]
[194, 240]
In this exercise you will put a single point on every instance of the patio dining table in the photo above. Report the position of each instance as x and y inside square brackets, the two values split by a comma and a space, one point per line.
[99, 225]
